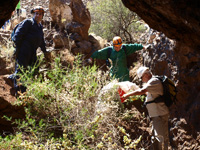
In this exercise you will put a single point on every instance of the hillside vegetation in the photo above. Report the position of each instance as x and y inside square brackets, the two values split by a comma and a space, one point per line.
[116, 20]
[63, 111]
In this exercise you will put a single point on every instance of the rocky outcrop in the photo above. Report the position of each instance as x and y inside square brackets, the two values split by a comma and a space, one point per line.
[7, 98]
[177, 19]
[81, 19]
[161, 58]
[61, 13]
[73, 19]
[6, 9]
[175, 54]
[7, 110]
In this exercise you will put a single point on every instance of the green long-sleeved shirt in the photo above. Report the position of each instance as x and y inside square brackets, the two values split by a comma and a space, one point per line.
[119, 69]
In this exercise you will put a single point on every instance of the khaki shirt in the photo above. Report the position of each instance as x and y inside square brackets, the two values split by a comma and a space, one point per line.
[155, 89]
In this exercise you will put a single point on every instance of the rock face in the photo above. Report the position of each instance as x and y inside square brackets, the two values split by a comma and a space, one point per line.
[6, 9]
[81, 19]
[6, 99]
[177, 19]
[72, 21]
[60, 11]
[159, 56]
[72, 17]
[177, 57]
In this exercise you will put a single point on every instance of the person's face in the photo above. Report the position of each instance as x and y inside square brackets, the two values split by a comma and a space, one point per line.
[38, 16]
[117, 48]
[145, 78]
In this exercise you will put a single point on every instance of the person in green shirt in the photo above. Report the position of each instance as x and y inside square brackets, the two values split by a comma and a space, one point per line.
[18, 8]
[118, 56]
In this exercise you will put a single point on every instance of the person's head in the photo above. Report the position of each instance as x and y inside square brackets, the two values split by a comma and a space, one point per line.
[144, 73]
[117, 43]
[38, 13]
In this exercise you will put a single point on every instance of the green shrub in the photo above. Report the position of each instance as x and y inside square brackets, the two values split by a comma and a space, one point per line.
[61, 111]
[111, 18]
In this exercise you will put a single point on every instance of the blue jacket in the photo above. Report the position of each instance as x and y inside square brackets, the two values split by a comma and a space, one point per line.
[27, 38]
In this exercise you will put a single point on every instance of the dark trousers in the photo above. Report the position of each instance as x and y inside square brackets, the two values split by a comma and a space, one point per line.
[20, 68]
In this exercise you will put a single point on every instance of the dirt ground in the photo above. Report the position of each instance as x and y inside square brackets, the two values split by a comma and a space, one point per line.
[6, 89]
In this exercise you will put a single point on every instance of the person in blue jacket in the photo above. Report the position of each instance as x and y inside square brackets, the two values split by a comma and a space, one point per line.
[27, 38]
[118, 56]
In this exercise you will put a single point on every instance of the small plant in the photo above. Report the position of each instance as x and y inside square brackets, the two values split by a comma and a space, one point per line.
[6, 52]
[11, 141]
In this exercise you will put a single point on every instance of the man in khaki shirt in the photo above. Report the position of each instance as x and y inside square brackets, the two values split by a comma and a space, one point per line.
[158, 112]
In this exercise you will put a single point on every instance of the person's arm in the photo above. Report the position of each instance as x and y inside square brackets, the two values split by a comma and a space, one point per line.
[131, 48]
[136, 92]
[101, 54]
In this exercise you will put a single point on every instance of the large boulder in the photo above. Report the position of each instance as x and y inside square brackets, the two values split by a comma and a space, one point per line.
[60, 41]
[71, 15]
[61, 13]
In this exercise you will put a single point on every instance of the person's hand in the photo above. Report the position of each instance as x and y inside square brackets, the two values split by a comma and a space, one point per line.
[125, 96]
[147, 46]
[87, 62]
